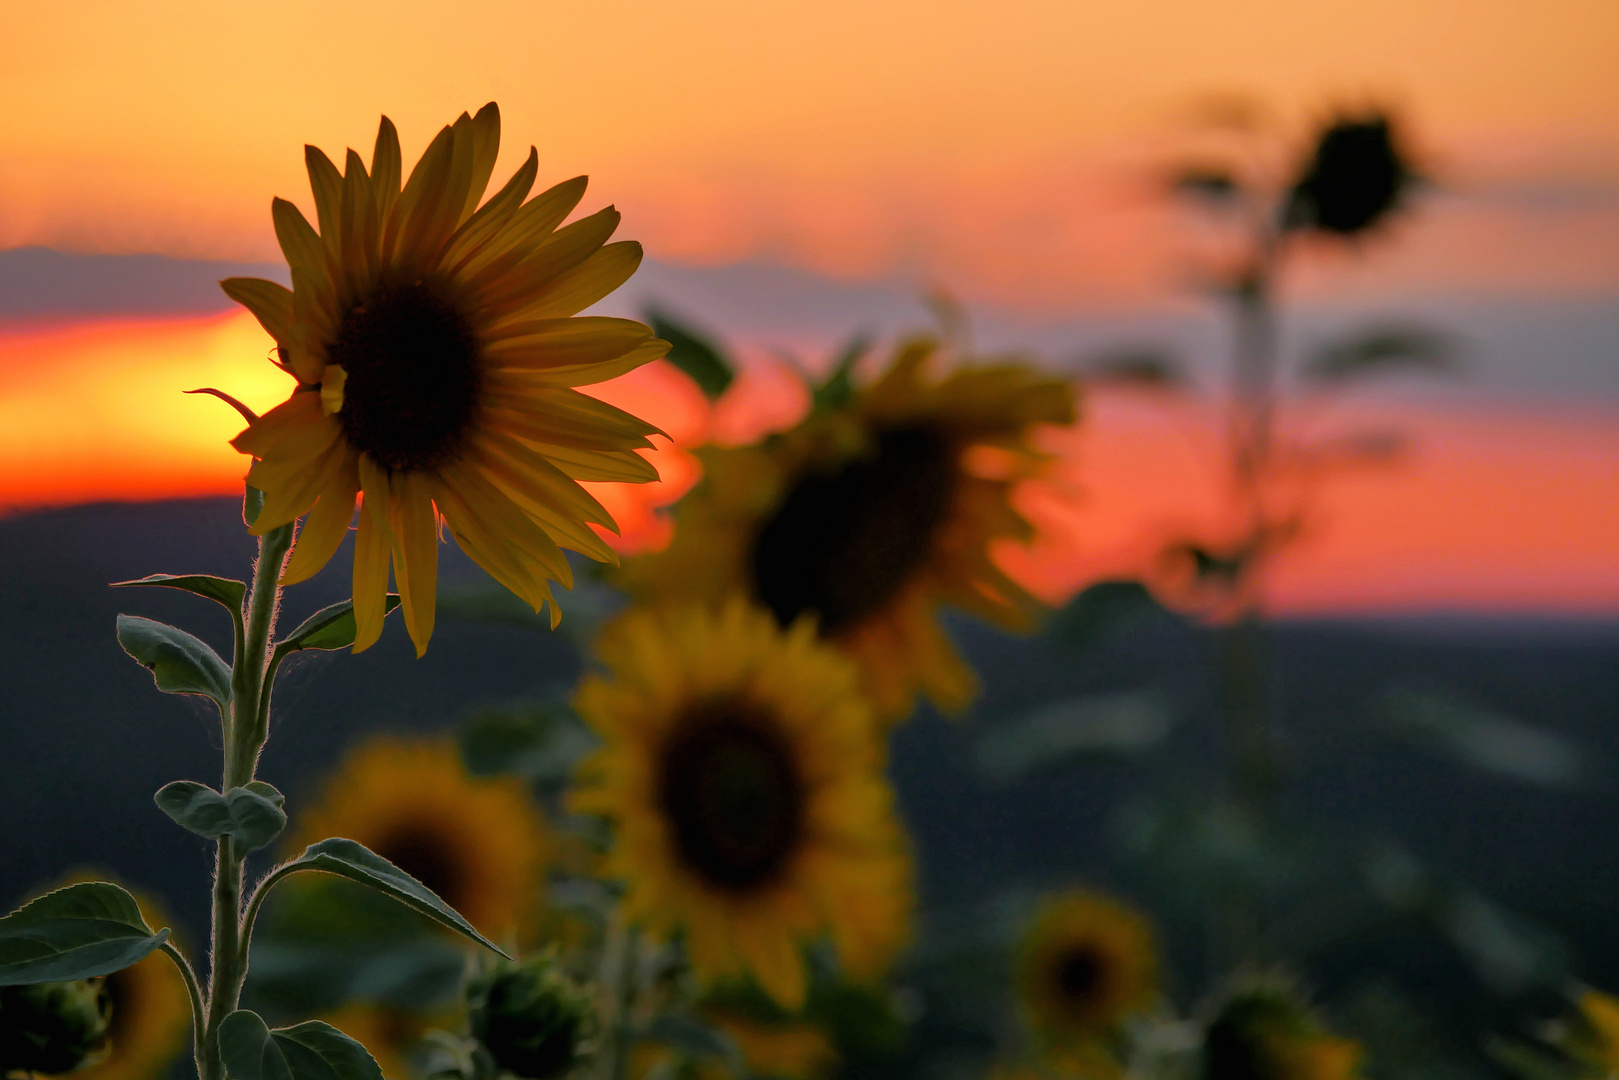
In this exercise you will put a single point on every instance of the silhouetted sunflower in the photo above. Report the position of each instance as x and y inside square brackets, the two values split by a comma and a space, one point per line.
[1354, 179]
[745, 785]
[1264, 1031]
[150, 1009]
[480, 844]
[436, 353]
[1086, 964]
[871, 516]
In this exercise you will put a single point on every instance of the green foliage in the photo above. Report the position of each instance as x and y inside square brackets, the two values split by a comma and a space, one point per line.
[250, 814]
[251, 1050]
[696, 1039]
[1141, 368]
[1104, 610]
[252, 505]
[226, 591]
[1483, 739]
[331, 627]
[52, 1027]
[691, 352]
[541, 741]
[838, 387]
[78, 932]
[1379, 351]
[1054, 735]
[179, 662]
[535, 1022]
[347, 859]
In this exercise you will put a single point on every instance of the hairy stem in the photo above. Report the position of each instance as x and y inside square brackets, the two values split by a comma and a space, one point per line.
[245, 732]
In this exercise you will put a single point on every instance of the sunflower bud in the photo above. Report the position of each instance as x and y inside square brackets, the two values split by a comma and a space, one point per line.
[533, 1020]
[52, 1027]
[1355, 178]
[1264, 1031]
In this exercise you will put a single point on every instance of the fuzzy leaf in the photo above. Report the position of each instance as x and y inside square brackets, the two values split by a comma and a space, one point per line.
[226, 591]
[330, 627]
[251, 814]
[179, 662]
[347, 859]
[85, 930]
[309, 1051]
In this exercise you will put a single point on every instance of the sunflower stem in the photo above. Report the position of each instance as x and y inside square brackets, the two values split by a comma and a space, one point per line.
[610, 1059]
[244, 738]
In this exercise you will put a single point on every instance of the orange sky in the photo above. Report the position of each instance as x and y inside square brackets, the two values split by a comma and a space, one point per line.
[1496, 510]
[993, 146]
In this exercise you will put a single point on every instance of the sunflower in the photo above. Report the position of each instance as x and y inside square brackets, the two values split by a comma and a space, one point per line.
[872, 515]
[480, 844]
[150, 1009]
[1264, 1031]
[1087, 963]
[436, 348]
[791, 1050]
[745, 783]
[389, 1035]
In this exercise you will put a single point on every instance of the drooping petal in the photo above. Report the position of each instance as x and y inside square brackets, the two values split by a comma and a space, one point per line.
[323, 530]
[415, 552]
[373, 544]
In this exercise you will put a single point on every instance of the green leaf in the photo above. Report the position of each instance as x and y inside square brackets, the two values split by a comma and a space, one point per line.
[1386, 349]
[1486, 740]
[347, 859]
[540, 741]
[179, 662]
[227, 591]
[251, 814]
[1143, 369]
[252, 504]
[838, 387]
[309, 1051]
[330, 627]
[1122, 723]
[1104, 610]
[692, 1036]
[85, 930]
[694, 354]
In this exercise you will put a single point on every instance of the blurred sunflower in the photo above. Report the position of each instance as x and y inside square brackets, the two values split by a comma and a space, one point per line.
[790, 1050]
[1594, 1040]
[480, 844]
[436, 351]
[150, 1008]
[389, 1034]
[1264, 1031]
[872, 515]
[1087, 963]
[747, 792]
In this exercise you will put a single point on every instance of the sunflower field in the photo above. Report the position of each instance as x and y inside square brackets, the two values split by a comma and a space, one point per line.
[755, 808]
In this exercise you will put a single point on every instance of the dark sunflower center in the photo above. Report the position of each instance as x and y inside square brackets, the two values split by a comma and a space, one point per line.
[413, 376]
[843, 544]
[428, 857]
[733, 795]
[1078, 973]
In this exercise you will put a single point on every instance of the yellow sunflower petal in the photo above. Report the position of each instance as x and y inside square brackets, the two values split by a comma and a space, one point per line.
[385, 168]
[563, 250]
[327, 184]
[494, 216]
[373, 544]
[326, 525]
[303, 247]
[485, 145]
[533, 221]
[415, 552]
[270, 303]
[586, 284]
[413, 210]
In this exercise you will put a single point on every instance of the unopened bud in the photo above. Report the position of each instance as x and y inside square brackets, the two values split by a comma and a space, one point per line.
[52, 1027]
[533, 1020]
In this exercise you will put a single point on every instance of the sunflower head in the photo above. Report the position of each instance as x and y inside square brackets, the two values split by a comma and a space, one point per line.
[1086, 964]
[1263, 1030]
[480, 844]
[53, 1027]
[871, 515]
[434, 339]
[743, 776]
[1355, 178]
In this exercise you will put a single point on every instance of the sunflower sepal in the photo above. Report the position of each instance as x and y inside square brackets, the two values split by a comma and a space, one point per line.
[82, 931]
[358, 863]
[252, 505]
[252, 1050]
[227, 592]
[331, 627]
[180, 663]
[251, 814]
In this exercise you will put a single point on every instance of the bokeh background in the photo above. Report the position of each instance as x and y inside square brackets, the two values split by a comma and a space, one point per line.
[798, 172]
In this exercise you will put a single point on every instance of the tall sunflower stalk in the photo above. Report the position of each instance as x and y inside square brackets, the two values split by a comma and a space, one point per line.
[435, 346]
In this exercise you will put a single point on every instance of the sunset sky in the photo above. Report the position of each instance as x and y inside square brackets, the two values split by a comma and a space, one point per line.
[1004, 151]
